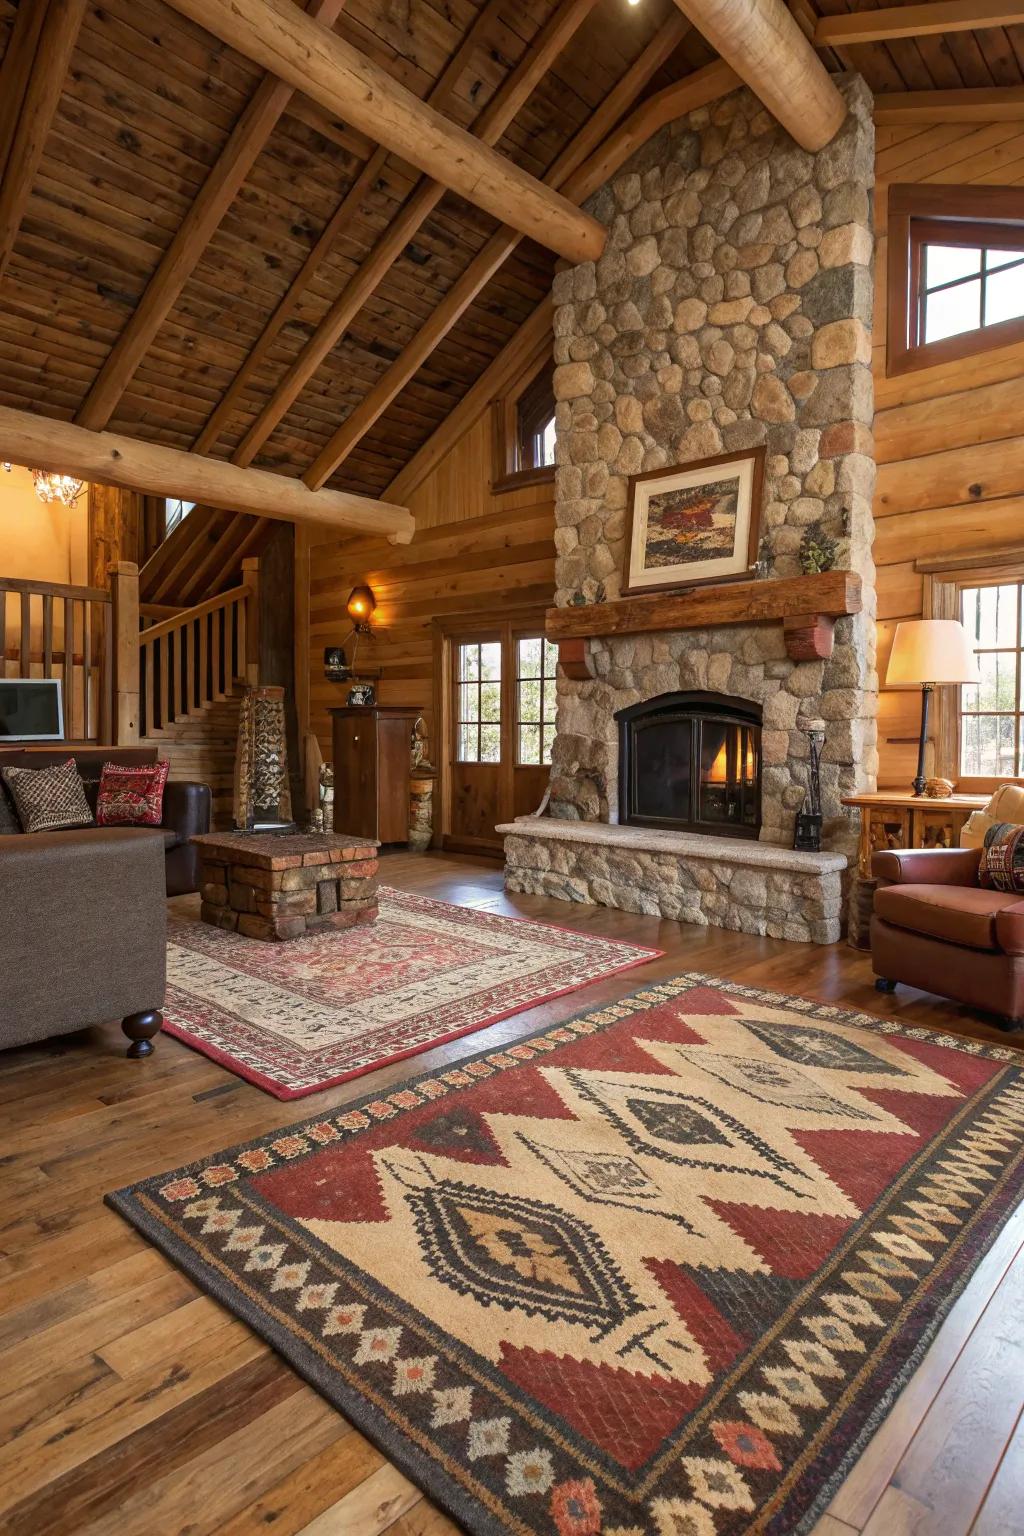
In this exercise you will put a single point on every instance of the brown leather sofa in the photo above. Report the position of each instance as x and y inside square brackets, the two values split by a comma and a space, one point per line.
[187, 806]
[84, 934]
[936, 927]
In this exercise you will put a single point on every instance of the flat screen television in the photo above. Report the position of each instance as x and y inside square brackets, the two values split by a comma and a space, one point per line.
[31, 709]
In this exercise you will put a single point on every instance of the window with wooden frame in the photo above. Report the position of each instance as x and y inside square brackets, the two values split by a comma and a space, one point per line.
[979, 729]
[524, 437]
[955, 281]
[536, 701]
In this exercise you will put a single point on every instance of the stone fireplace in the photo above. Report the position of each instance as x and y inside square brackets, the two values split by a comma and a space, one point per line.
[731, 310]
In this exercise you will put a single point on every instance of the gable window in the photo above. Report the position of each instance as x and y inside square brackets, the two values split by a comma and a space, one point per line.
[524, 430]
[956, 273]
[175, 511]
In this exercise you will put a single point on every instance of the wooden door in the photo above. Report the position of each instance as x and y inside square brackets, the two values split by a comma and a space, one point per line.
[498, 726]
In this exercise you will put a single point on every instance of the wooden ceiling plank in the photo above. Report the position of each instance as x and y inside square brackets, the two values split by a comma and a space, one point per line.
[110, 459]
[35, 111]
[245, 143]
[925, 20]
[494, 119]
[336, 225]
[987, 104]
[764, 45]
[578, 181]
[289, 43]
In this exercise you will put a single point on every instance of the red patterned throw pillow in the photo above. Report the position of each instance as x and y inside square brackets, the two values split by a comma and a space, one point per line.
[1002, 860]
[131, 795]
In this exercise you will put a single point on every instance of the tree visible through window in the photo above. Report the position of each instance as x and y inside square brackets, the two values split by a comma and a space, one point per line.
[536, 663]
[990, 711]
[478, 698]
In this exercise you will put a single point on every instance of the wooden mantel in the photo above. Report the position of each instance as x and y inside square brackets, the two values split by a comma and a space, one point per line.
[807, 605]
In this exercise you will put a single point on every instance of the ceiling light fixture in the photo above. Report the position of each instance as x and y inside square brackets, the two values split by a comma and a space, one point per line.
[51, 487]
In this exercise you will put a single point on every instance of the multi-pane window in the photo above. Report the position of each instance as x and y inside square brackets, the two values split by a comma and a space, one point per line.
[968, 286]
[536, 664]
[990, 711]
[478, 701]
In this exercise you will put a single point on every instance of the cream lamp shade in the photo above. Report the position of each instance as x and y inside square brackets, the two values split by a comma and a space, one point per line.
[931, 651]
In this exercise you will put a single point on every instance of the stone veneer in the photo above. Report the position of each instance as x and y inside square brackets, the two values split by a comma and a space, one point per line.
[732, 308]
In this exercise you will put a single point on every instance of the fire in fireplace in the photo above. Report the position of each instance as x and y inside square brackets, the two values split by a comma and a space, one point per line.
[691, 762]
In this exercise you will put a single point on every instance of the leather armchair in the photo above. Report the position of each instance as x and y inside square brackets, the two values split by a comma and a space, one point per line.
[187, 810]
[936, 927]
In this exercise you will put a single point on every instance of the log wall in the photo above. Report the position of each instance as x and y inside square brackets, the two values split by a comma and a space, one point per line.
[948, 439]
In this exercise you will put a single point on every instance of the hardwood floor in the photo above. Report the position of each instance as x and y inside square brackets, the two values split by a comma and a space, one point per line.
[130, 1402]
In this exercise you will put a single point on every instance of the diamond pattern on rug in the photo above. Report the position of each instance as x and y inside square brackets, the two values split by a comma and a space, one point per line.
[602, 1281]
[294, 1018]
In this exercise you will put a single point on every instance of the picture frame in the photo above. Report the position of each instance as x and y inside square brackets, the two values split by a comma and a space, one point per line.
[694, 524]
[362, 695]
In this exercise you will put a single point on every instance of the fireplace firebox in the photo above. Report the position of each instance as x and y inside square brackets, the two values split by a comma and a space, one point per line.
[691, 762]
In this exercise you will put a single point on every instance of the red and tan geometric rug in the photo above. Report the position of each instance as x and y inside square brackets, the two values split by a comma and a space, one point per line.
[294, 1018]
[657, 1271]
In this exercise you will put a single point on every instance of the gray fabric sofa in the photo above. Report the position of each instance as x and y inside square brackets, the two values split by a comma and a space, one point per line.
[83, 934]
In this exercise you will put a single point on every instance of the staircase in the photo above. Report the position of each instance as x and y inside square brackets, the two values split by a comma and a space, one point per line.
[193, 668]
[201, 557]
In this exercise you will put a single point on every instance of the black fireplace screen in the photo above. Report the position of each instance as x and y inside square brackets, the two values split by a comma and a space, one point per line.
[691, 762]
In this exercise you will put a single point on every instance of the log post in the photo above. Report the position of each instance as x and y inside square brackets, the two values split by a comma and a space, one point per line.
[251, 579]
[124, 651]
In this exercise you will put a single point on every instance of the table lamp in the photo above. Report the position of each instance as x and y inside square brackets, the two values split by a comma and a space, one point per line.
[929, 653]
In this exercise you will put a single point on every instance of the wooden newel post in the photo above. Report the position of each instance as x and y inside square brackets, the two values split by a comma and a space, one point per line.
[124, 650]
[251, 579]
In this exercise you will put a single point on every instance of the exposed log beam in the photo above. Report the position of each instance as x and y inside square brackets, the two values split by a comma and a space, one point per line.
[578, 179]
[157, 470]
[218, 192]
[347, 209]
[16, 70]
[495, 118]
[916, 21]
[284, 40]
[767, 49]
[35, 111]
[980, 104]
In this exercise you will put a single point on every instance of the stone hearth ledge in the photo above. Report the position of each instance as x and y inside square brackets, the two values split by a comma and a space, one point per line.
[725, 882]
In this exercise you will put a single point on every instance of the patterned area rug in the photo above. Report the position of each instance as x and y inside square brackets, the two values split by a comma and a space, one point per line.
[659, 1271]
[294, 1018]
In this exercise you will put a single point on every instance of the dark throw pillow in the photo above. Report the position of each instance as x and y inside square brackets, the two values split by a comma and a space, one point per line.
[8, 814]
[49, 799]
[131, 795]
[1002, 859]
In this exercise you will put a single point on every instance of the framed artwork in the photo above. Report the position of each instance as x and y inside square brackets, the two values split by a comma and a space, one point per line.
[698, 523]
[362, 694]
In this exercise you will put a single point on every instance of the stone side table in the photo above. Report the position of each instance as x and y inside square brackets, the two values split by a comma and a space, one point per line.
[274, 885]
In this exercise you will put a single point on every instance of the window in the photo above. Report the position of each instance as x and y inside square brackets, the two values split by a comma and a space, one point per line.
[990, 711]
[175, 511]
[524, 431]
[956, 272]
[535, 424]
[536, 662]
[478, 694]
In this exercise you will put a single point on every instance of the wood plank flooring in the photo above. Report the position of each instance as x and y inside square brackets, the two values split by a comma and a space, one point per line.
[131, 1403]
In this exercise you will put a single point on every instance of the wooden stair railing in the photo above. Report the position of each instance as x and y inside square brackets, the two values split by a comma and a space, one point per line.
[66, 632]
[194, 658]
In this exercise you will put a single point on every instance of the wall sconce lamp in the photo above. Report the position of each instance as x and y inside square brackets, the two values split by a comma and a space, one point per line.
[360, 606]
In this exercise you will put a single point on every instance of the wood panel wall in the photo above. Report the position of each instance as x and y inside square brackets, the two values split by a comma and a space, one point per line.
[948, 439]
[474, 553]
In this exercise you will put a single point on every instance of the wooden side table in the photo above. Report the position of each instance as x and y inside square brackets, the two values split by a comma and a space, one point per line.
[898, 819]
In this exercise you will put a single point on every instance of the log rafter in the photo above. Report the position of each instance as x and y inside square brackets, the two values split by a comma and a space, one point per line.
[246, 142]
[579, 171]
[347, 209]
[494, 119]
[283, 39]
[31, 82]
[935, 18]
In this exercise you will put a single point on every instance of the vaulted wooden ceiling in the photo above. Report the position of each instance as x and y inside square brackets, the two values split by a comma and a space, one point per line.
[147, 108]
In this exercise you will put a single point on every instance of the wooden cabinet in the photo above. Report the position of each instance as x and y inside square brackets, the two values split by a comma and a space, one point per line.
[371, 771]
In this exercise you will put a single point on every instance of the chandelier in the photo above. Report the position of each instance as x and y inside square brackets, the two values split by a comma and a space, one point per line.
[50, 487]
